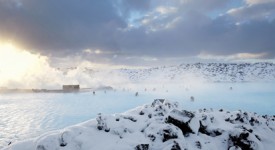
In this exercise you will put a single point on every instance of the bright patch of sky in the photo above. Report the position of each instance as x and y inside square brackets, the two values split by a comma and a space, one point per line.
[133, 19]
[222, 10]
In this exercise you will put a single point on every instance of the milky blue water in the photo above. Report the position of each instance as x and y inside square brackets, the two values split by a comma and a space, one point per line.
[29, 115]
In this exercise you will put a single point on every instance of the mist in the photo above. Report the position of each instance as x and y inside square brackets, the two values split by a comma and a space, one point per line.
[25, 70]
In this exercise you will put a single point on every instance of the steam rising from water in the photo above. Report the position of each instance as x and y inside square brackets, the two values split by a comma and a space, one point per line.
[22, 69]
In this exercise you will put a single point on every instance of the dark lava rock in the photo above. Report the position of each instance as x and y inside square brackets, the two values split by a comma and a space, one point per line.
[141, 113]
[62, 141]
[181, 119]
[130, 118]
[63, 144]
[253, 121]
[198, 144]
[188, 114]
[258, 137]
[169, 134]
[101, 123]
[107, 129]
[184, 126]
[245, 129]
[142, 147]
[241, 141]
[152, 137]
[175, 146]
[213, 133]
[157, 102]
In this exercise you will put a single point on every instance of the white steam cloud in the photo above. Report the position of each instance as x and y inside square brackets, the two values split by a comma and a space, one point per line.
[22, 69]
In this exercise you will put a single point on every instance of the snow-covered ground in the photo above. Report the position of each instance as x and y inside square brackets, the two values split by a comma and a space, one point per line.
[211, 72]
[162, 125]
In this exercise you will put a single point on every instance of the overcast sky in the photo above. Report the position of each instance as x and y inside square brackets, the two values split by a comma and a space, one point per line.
[133, 32]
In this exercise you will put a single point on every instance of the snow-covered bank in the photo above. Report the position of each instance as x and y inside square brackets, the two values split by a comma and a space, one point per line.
[210, 72]
[162, 125]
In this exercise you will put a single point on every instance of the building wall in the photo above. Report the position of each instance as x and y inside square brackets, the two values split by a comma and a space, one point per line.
[71, 87]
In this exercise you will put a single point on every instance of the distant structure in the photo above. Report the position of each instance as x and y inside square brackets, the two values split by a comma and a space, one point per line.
[71, 88]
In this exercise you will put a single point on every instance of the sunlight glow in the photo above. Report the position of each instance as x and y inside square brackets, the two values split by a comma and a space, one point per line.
[16, 63]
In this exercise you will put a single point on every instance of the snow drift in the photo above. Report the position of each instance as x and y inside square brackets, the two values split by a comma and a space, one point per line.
[162, 125]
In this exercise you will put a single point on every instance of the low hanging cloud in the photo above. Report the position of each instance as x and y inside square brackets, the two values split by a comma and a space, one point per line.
[112, 31]
[253, 2]
[235, 57]
[255, 11]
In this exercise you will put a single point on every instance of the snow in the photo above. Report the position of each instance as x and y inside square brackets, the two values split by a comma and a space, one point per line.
[246, 87]
[213, 72]
[162, 125]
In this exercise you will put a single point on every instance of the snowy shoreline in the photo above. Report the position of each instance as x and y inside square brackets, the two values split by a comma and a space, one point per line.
[162, 125]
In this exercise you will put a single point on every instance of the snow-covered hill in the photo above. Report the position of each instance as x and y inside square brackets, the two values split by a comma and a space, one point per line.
[162, 125]
[87, 76]
[215, 72]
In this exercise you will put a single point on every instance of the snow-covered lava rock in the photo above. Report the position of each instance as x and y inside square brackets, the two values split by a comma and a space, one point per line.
[213, 72]
[162, 125]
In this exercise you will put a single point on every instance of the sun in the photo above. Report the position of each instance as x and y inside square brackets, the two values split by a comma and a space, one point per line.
[16, 63]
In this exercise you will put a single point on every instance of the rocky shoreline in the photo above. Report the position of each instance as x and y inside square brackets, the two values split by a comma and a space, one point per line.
[162, 125]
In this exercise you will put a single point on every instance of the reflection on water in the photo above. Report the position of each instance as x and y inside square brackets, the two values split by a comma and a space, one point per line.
[28, 115]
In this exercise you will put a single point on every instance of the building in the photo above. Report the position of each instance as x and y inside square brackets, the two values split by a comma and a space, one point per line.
[71, 88]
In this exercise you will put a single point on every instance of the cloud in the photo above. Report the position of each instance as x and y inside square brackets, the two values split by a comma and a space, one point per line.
[253, 2]
[202, 5]
[89, 51]
[63, 25]
[111, 31]
[237, 56]
[257, 11]
[195, 32]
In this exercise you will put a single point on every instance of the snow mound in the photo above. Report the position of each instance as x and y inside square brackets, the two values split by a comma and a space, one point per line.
[162, 125]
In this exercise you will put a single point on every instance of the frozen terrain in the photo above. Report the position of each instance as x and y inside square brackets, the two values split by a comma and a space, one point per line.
[162, 125]
[211, 72]
[246, 87]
